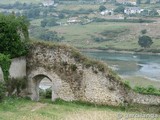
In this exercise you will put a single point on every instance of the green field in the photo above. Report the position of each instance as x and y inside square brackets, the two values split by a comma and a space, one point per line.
[82, 35]
[22, 109]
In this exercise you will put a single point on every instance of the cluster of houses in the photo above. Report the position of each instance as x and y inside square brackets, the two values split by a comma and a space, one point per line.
[133, 10]
[132, 2]
[127, 10]
[47, 3]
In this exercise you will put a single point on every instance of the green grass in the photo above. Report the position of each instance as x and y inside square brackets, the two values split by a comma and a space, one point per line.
[23, 109]
[141, 81]
[82, 35]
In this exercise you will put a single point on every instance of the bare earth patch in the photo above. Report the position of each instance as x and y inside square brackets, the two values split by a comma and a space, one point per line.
[38, 106]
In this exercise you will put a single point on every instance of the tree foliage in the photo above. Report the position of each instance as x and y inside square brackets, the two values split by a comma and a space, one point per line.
[13, 35]
[138, 1]
[119, 9]
[144, 31]
[50, 36]
[145, 41]
[102, 8]
[5, 62]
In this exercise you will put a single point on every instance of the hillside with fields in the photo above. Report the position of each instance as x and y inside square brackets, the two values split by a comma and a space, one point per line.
[79, 59]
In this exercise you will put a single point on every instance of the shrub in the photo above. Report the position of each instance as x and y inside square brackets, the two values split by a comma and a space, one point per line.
[102, 8]
[151, 89]
[127, 84]
[42, 93]
[73, 67]
[2, 90]
[145, 41]
[16, 84]
[148, 90]
[5, 62]
[144, 31]
[48, 93]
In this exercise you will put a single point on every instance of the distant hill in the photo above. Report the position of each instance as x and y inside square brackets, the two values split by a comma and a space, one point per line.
[22, 1]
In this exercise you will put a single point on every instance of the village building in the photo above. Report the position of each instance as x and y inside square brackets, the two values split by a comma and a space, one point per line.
[132, 10]
[107, 12]
[47, 3]
[132, 2]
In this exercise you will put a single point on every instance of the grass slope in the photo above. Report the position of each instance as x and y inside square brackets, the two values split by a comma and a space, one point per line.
[82, 35]
[22, 109]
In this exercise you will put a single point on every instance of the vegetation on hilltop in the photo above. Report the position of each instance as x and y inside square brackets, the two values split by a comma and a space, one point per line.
[13, 35]
[13, 43]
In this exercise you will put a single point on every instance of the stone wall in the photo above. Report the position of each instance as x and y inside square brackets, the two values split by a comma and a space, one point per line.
[18, 68]
[74, 79]
[1, 75]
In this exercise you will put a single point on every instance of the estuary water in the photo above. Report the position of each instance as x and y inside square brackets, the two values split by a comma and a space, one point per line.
[126, 64]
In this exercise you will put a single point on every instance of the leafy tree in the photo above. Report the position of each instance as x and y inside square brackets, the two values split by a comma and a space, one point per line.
[153, 12]
[102, 8]
[138, 2]
[144, 31]
[145, 41]
[50, 36]
[13, 35]
[48, 22]
[51, 22]
[61, 15]
[119, 9]
[144, 13]
[148, 1]
[44, 23]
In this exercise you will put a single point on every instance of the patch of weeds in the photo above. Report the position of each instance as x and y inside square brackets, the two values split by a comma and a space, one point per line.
[73, 67]
[149, 90]
[127, 84]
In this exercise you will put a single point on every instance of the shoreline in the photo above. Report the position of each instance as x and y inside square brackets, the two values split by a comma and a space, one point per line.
[115, 51]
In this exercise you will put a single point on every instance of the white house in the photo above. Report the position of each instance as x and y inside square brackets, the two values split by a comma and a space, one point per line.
[132, 2]
[107, 12]
[73, 20]
[132, 10]
[47, 3]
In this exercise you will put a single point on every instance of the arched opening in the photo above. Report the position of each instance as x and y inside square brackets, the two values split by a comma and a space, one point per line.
[42, 87]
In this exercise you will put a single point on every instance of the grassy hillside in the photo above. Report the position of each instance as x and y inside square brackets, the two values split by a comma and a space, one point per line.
[22, 109]
[83, 35]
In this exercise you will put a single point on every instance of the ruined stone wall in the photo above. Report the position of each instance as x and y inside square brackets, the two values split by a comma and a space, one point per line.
[74, 77]
[18, 68]
[1, 75]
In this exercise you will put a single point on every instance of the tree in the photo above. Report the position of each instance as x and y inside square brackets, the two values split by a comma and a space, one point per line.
[138, 2]
[44, 23]
[148, 1]
[119, 9]
[144, 13]
[144, 31]
[145, 41]
[102, 8]
[153, 12]
[13, 35]
[50, 36]
[61, 16]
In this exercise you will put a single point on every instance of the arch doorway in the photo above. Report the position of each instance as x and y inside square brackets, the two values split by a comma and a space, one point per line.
[41, 83]
[45, 88]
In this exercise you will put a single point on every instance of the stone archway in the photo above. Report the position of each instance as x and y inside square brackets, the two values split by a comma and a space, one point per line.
[34, 80]
[37, 79]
